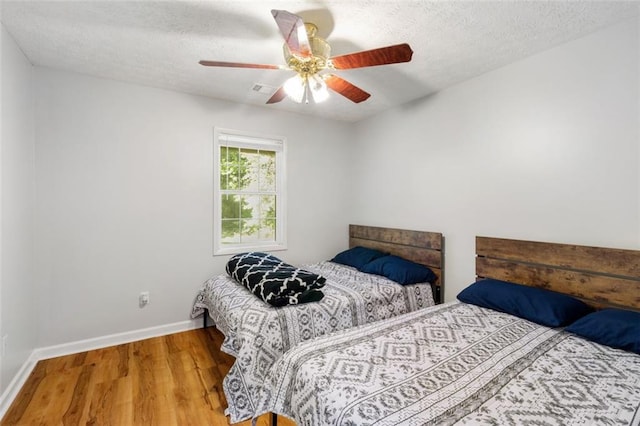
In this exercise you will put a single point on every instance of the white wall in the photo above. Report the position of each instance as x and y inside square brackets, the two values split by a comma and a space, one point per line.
[544, 149]
[124, 181]
[17, 217]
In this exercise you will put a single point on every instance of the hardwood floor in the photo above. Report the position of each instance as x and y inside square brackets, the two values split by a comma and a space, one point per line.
[168, 380]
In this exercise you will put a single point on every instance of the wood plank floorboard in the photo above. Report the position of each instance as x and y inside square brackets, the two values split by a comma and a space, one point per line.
[168, 380]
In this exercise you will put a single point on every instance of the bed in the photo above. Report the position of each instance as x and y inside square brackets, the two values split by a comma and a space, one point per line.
[257, 334]
[459, 363]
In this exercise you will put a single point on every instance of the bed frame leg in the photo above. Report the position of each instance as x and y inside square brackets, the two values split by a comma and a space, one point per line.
[274, 419]
[204, 318]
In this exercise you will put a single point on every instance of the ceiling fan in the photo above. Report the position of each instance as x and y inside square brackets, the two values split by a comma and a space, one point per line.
[309, 56]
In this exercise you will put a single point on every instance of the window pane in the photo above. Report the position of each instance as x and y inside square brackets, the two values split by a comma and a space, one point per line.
[230, 207]
[249, 166]
[230, 231]
[267, 206]
[229, 168]
[250, 206]
[224, 178]
[267, 230]
[267, 171]
[250, 229]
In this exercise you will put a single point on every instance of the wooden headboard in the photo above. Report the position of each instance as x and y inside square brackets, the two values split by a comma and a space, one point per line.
[426, 248]
[602, 277]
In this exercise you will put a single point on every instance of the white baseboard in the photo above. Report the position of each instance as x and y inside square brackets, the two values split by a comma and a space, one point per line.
[86, 345]
[16, 384]
[115, 339]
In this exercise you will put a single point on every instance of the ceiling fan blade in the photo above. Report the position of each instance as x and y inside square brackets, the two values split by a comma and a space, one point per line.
[346, 89]
[294, 33]
[279, 95]
[240, 65]
[369, 58]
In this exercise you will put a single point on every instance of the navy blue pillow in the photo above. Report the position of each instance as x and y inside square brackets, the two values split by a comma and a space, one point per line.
[612, 327]
[400, 270]
[357, 256]
[534, 304]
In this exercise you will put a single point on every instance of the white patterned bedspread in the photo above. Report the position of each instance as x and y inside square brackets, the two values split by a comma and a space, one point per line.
[257, 334]
[455, 364]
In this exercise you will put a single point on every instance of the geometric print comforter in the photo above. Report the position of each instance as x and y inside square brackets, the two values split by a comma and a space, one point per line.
[257, 334]
[455, 364]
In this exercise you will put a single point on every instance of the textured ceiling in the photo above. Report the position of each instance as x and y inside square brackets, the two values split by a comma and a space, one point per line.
[159, 43]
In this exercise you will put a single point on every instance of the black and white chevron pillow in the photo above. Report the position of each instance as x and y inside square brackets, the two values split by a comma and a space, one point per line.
[275, 281]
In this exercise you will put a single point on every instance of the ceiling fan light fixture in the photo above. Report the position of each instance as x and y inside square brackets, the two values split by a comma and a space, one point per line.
[309, 55]
[318, 89]
[295, 88]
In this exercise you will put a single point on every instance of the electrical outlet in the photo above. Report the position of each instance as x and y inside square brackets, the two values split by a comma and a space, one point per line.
[4, 343]
[143, 299]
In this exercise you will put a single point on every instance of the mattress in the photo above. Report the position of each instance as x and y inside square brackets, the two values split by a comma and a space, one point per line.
[257, 334]
[454, 364]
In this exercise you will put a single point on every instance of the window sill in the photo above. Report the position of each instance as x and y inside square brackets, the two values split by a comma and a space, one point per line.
[224, 251]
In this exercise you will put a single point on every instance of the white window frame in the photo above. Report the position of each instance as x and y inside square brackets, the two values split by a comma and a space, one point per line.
[242, 139]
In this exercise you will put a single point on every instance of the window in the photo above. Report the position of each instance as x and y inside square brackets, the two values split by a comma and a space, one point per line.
[249, 198]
